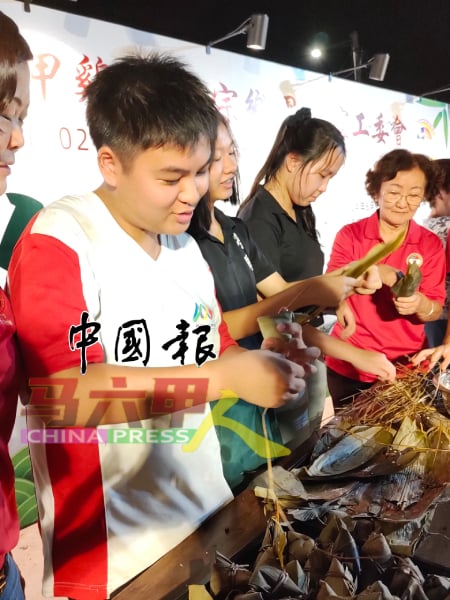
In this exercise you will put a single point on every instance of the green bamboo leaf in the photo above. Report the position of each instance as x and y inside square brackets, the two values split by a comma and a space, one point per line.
[445, 121]
[22, 464]
[437, 119]
[24, 489]
[375, 254]
[28, 512]
[26, 502]
[429, 102]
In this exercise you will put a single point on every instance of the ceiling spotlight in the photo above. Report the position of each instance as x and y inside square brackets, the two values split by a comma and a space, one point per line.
[257, 32]
[316, 53]
[255, 27]
[378, 65]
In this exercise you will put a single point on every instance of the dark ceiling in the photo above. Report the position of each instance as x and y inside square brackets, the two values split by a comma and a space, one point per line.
[415, 33]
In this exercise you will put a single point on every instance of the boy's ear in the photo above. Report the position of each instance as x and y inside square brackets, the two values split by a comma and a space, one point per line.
[109, 164]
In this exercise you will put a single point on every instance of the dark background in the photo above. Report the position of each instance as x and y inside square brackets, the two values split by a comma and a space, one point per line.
[415, 33]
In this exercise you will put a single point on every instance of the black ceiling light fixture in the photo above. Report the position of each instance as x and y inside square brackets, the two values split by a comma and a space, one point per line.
[256, 27]
[377, 65]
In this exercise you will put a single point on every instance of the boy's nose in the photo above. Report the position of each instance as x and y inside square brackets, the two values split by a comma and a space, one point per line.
[190, 193]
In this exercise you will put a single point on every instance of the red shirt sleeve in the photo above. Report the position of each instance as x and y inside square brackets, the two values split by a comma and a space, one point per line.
[225, 338]
[46, 294]
[342, 251]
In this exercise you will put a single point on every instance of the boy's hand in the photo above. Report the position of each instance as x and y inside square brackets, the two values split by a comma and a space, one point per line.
[275, 375]
[293, 347]
[264, 378]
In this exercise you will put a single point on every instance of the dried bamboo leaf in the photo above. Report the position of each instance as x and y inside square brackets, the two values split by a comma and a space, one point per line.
[355, 269]
[227, 575]
[279, 542]
[409, 436]
[296, 573]
[299, 547]
[198, 592]
[326, 592]
[339, 579]
[376, 547]
[439, 456]
[377, 253]
[376, 591]
[408, 284]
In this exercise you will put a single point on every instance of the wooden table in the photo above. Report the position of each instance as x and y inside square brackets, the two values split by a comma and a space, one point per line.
[230, 531]
[236, 527]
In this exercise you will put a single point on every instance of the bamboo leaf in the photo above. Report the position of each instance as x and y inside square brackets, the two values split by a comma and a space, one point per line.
[22, 464]
[429, 102]
[24, 489]
[198, 592]
[28, 513]
[356, 269]
[445, 121]
[279, 542]
[437, 120]
[375, 254]
[26, 503]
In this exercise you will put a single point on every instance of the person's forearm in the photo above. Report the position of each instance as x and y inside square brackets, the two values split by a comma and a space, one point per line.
[109, 394]
[329, 345]
[428, 310]
[368, 361]
[243, 321]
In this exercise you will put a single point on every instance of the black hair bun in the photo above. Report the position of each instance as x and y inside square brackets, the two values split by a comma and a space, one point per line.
[299, 118]
[303, 114]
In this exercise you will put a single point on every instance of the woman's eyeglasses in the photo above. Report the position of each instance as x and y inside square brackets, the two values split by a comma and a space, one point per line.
[412, 199]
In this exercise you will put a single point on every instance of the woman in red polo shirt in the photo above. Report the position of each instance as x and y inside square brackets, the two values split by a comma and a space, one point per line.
[398, 183]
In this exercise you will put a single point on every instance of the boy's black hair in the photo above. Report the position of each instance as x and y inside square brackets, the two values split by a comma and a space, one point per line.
[141, 102]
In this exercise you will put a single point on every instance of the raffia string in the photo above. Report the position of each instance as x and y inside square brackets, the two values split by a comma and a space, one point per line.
[279, 512]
